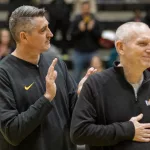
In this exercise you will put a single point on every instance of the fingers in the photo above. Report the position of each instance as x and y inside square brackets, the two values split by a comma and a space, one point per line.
[90, 71]
[55, 75]
[50, 81]
[146, 125]
[142, 130]
[54, 62]
[147, 131]
[145, 140]
[146, 135]
[51, 73]
[139, 117]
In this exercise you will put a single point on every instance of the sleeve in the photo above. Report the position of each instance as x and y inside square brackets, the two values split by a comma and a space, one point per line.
[84, 127]
[71, 88]
[16, 126]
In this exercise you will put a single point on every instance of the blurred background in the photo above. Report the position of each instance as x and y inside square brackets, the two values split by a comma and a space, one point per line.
[84, 30]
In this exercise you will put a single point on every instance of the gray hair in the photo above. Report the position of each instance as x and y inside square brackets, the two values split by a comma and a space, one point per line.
[126, 30]
[21, 19]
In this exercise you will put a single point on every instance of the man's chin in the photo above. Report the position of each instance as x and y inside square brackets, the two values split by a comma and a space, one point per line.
[47, 47]
[146, 65]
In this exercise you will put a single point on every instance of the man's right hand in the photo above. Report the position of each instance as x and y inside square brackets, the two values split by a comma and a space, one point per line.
[50, 81]
[142, 130]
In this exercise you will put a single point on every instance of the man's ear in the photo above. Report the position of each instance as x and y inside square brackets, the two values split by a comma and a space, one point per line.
[23, 36]
[119, 47]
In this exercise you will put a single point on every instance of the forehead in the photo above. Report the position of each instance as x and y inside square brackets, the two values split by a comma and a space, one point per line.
[40, 22]
[4, 32]
[140, 34]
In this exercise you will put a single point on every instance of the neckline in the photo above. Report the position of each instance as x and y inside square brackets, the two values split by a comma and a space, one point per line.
[24, 61]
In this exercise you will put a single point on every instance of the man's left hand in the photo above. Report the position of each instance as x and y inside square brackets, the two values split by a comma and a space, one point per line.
[89, 72]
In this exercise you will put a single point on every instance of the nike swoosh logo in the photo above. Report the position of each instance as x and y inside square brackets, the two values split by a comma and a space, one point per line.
[28, 87]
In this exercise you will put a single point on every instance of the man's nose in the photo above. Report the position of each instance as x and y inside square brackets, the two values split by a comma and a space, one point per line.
[50, 34]
[148, 48]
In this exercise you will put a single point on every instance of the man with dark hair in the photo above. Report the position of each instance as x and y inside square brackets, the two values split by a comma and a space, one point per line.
[37, 94]
[113, 109]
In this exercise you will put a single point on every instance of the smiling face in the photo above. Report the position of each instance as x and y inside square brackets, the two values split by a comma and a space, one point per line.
[38, 39]
[135, 51]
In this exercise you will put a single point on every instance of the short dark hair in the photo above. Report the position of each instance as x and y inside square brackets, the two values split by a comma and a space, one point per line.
[21, 19]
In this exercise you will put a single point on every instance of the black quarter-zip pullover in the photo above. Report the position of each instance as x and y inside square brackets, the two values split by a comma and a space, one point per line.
[28, 121]
[106, 104]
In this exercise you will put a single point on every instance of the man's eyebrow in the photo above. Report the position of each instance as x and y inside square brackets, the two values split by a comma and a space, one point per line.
[143, 38]
[45, 26]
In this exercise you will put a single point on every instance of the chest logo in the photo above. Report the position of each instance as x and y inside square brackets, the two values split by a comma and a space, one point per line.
[147, 102]
[28, 87]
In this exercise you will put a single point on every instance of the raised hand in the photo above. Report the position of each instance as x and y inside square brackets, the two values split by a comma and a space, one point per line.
[50, 81]
[88, 73]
